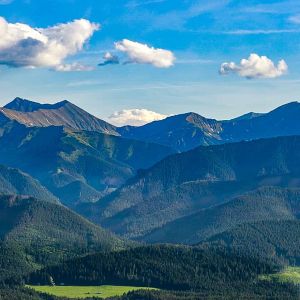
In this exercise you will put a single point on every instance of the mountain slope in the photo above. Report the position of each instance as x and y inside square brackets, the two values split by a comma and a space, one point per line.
[277, 240]
[182, 184]
[36, 233]
[60, 114]
[264, 204]
[181, 132]
[13, 181]
[85, 164]
[187, 131]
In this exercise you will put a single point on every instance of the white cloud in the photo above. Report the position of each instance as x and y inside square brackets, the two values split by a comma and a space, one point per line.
[74, 67]
[255, 67]
[135, 117]
[143, 54]
[24, 46]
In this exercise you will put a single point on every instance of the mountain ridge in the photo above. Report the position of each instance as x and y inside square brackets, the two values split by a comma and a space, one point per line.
[187, 131]
[185, 183]
[62, 113]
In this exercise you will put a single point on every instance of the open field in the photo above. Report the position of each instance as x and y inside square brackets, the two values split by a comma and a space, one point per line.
[83, 292]
[290, 274]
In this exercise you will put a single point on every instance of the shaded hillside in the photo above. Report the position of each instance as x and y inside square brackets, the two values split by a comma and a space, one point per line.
[76, 165]
[35, 233]
[187, 131]
[264, 204]
[63, 113]
[182, 184]
[277, 240]
[166, 267]
[13, 181]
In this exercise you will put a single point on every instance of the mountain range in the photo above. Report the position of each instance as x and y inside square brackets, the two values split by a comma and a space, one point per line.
[80, 199]
[204, 178]
[187, 131]
[179, 132]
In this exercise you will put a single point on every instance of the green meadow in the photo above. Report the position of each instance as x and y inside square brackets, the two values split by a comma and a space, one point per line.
[104, 291]
[289, 274]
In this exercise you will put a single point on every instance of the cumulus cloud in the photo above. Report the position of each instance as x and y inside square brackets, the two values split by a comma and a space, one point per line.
[255, 67]
[109, 59]
[24, 46]
[144, 54]
[135, 117]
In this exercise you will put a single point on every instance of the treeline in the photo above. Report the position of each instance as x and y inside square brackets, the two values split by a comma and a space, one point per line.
[243, 291]
[21, 293]
[165, 267]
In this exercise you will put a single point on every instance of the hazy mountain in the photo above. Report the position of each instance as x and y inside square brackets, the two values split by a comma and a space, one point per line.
[264, 204]
[60, 114]
[181, 132]
[75, 165]
[34, 233]
[187, 131]
[183, 184]
[15, 182]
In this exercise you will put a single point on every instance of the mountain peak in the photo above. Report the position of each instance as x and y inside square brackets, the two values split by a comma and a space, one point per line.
[23, 105]
[288, 108]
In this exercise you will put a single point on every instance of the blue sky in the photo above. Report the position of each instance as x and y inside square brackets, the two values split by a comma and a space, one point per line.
[201, 34]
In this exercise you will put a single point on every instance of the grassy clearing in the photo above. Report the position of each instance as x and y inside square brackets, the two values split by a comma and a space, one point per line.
[289, 274]
[83, 292]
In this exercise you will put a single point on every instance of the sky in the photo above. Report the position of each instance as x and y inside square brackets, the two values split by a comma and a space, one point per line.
[134, 61]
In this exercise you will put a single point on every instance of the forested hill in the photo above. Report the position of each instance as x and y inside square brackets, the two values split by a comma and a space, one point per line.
[16, 182]
[184, 184]
[35, 233]
[263, 204]
[186, 273]
[156, 266]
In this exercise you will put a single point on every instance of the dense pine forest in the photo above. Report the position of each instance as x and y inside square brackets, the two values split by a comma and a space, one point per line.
[198, 272]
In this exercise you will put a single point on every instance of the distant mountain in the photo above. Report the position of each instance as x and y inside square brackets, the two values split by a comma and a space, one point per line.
[76, 166]
[248, 116]
[183, 184]
[62, 113]
[36, 233]
[187, 131]
[15, 182]
[181, 132]
[264, 204]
